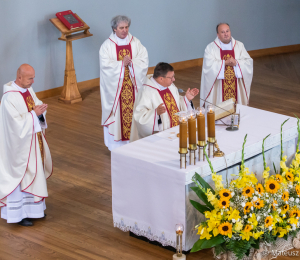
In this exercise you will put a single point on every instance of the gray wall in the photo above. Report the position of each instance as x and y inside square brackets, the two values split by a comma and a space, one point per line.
[171, 30]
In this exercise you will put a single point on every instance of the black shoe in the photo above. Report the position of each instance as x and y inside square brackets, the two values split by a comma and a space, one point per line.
[25, 222]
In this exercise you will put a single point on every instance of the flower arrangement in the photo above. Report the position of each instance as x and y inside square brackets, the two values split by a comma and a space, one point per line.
[243, 213]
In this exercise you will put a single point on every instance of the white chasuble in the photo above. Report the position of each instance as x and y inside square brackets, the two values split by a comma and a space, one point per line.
[235, 81]
[25, 159]
[149, 98]
[119, 86]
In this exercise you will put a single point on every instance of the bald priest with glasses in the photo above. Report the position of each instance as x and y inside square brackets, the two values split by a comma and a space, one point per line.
[158, 102]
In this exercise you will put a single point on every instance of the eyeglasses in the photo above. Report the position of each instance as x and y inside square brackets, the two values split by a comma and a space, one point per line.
[170, 77]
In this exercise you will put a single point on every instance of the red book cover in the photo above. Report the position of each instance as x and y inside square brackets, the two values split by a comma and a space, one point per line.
[70, 20]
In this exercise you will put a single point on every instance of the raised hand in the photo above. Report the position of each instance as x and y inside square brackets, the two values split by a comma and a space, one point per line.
[191, 93]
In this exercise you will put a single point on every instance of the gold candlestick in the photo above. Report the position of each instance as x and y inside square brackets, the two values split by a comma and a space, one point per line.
[183, 126]
[201, 132]
[179, 232]
[192, 136]
[211, 130]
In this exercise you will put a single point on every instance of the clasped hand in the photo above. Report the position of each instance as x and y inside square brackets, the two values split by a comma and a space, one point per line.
[230, 62]
[126, 60]
[40, 109]
[161, 109]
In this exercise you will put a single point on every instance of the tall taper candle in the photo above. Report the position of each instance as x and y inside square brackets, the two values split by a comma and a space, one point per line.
[201, 126]
[192, 130]
[183, 126]
[211, 127]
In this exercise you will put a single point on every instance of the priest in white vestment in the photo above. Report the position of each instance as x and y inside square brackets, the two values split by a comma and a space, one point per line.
[25, 159]
[123, 67]
[158, 102]
[227, 70]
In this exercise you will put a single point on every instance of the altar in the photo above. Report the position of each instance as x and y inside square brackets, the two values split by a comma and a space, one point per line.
[150, 193]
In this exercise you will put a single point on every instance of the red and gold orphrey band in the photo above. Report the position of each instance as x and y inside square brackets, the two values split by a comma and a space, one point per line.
[127, 95]
[30, 105]
[170, 105]
[229, 83]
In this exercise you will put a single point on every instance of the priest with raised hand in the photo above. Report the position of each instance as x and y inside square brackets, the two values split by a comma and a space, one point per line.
[158, 102]
[123, 67]
[25, 159]
[227, 70]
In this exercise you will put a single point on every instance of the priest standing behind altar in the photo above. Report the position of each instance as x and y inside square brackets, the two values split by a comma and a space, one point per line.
[25, 159]
[158, 102]
[123, 67]
[227, 69]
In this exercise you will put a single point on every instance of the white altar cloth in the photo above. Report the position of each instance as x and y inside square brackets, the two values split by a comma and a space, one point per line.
[150, 193]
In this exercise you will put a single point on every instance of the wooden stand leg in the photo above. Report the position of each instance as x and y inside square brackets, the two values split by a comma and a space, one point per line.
[70, 93]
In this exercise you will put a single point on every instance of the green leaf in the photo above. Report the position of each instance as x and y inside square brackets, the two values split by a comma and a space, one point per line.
[219, 249]
[202, 196]
[203, 243]
[204, 184]
[256, 244]
[199, 207]
[239, 247]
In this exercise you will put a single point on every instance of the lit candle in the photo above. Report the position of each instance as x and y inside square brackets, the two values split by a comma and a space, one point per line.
[201, 125]
[211, 127]
[192, 130]
[183, 127]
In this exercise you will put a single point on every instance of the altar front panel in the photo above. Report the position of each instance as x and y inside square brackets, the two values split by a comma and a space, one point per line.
[150, 192]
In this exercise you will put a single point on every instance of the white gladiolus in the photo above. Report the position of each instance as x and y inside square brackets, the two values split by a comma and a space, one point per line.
[233, 220]
[245, 217]
[252, 208]
[243, 204]
[232, 194]
[279, 210]
[254, 198]
[270, 228]
[292, 199]
[297, 200]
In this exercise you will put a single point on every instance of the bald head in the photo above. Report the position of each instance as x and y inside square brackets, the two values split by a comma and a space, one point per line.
[224, 33]
[25, 76]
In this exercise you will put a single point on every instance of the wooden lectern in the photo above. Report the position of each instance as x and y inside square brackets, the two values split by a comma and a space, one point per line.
[70, 93]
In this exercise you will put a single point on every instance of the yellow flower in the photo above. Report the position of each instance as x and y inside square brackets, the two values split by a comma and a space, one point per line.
[216, 177]
[204, 234]
[298, 189]
[295, 213]
[245, 235]
[248, 191]
[285, 208]
[238, 226]
[247, 207]
[285, 196]
[293, 221]
[282, 231]
[272, 186]
[289, 176]
[260, 189]
[252, 220]
[278, 178]
[268, 221]
[226, 229]
[248, 228]
[212, 198]
[266, 174]
[258, 203]
[257, 235]
[223, 203]
[225, 193]
[233, 214]
[274, 204]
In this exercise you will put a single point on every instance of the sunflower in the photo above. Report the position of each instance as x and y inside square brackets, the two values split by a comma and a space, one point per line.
[289, 176]
[260, 189]
[248, 228]
[225, 194]
[225, 228]
[247, 207]
[274, 204]
[258, 203]
[272, 186]
[278, 178]
[248, 191]
[223, 203]
[295, 213]
[298, 189]
[286, 207]
[285, 196]
[268, 221]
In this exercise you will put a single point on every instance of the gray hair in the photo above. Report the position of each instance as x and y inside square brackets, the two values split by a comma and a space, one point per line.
[117, 19]
[219, 25]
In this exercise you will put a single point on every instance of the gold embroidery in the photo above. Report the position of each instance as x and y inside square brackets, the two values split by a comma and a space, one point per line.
[172, 108]
[126, 99]
[30, 105]
[229, 81]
